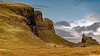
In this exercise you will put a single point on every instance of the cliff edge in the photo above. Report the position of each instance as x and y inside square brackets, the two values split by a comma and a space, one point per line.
[23, 17]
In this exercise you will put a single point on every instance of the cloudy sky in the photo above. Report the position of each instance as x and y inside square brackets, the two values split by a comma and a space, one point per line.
[73, 30]
[72, 18]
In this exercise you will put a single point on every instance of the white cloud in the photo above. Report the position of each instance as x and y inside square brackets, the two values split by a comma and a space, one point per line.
[87, 21]
[62, 27]
[93, 17]
[98, 32]
[82, 22]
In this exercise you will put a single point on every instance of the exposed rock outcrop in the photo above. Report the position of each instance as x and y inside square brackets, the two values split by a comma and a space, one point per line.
[23, 10]
[34, 19]
[89, 40]
[27, 12]
[86, 41]
[43, 24]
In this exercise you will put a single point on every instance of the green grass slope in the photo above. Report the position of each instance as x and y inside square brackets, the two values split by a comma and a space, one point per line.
[11, 36]
[50, 37]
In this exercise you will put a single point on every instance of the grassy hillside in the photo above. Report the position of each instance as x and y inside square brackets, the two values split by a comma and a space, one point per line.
[50, 37]
[13, 29]
[13, 36]
[13, 4]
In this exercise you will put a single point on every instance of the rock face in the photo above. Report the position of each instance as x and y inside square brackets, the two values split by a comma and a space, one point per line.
[89, 40]
[34, 19]
[27, 12]
[43, 24]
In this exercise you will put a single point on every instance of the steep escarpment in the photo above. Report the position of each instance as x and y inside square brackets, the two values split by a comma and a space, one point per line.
[34, 18]
[43, 24]
[46, 32]
[27, 12]
[34, 27]
[20, 13]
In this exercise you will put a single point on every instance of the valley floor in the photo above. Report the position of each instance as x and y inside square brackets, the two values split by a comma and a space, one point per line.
[50, 51]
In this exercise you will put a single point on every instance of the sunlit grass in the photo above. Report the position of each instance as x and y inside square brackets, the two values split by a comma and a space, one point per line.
[52, 51]
[50, 37]
[13, 4]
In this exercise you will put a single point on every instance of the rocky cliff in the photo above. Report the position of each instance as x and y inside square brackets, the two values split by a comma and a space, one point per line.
[34, 19]
[86, 41]
[43, 24]
[45, 30]
[89, 40]
[24, 17]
